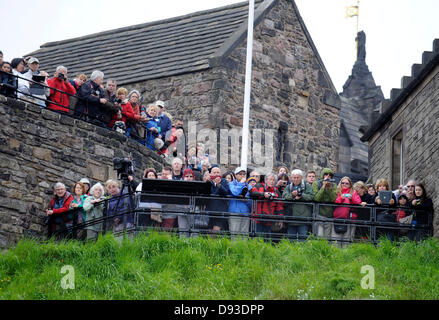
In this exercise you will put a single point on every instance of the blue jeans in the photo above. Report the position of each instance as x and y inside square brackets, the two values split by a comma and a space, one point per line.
[297, 231]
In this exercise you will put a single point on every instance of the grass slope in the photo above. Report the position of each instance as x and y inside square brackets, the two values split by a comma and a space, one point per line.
[163, 267]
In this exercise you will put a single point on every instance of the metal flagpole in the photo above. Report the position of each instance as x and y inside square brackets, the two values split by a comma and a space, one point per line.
[248, 81]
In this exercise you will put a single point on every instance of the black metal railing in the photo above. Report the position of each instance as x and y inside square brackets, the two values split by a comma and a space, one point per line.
[194, 216]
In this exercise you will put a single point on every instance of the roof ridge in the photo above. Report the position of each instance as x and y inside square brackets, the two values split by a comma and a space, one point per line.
[151, 23]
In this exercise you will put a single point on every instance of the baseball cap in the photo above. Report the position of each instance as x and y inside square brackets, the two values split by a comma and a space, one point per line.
[32, 60]
[160, 103]
[85, 180]
[239, 169]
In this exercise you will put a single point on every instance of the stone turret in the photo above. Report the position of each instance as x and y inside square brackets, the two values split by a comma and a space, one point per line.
[359, 99]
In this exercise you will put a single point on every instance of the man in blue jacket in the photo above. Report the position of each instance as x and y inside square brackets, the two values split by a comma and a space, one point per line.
[239, 224]
[164, 122]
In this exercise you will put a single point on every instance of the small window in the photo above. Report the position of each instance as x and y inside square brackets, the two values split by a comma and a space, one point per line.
[397, 160]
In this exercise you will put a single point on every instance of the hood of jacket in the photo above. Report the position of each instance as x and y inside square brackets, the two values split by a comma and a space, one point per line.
[326, 171]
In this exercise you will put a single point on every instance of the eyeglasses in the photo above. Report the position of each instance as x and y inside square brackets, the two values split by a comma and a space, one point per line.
[410, 186]
[345, 183]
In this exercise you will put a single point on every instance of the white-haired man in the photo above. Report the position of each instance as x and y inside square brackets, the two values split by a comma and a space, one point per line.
[177, 166]
[59, 204]
[93, 101]
[60, 90]
[298, 190]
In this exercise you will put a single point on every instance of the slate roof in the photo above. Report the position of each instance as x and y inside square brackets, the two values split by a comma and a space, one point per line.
[151, 50]
[179, 45]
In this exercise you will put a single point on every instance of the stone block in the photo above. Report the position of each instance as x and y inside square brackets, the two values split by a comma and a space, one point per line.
[42, 153]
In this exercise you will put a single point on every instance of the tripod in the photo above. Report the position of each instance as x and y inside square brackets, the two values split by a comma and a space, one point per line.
[125, 186]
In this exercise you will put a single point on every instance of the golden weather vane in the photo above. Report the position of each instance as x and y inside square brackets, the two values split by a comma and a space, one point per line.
[354, 11]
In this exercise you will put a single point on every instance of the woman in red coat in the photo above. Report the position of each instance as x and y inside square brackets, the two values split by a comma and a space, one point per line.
[268, 193]
[345, 195]
[126, 111]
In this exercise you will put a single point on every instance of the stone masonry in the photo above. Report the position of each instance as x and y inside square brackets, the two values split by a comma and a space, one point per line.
[417, 118]
[289, 93]
[39, 148]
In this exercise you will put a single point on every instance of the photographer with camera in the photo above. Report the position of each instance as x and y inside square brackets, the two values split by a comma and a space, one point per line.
[298, 190]
[325, 190]
[239, 188]
[36, 90]
[125, 112]
[219, 187]
[60, 82]
[266, 193]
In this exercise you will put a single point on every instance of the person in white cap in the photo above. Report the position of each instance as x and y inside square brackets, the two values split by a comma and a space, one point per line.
[164, 123]
[86, 182]
[239, 221]
[37, 91]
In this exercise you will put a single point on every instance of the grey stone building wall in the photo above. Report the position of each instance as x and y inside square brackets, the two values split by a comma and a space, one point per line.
[289, 85]
[39, 148]
[417, 118]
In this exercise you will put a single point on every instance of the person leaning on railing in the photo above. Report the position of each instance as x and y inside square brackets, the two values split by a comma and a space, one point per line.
[325, 191]
[59, 204]
[93, 102]
[135, 127]
[298, 190]
[119, 205]
[94, 209]
[239, 188]
[348, 196]
[266, 193]
[78, 204]
[8, 83]
[424, 203]
[18, 67]
[61, 83]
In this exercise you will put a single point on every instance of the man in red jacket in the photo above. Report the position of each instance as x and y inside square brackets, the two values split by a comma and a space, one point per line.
[60, 82]
[60, 203]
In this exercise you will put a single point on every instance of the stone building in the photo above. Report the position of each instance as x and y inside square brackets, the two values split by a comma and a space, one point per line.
[404, 139]
[359, 99]
[196, 64]
[39, 148]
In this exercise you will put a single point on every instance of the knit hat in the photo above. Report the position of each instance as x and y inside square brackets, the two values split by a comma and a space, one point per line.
[251, 179]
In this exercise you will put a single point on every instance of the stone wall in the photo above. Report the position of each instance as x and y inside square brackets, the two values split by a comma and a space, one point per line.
[417, 118]
[39, 148]
[288, 89]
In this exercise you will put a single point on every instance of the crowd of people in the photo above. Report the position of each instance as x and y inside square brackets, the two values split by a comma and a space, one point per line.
[90, 100]
[287, 194]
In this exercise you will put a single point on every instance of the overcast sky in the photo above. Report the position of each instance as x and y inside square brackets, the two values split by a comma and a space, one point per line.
[397, 31]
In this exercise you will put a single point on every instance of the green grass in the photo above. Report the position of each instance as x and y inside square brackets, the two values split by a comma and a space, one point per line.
[163, 267]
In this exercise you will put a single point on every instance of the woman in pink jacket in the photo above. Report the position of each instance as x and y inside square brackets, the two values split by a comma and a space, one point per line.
[345, 195]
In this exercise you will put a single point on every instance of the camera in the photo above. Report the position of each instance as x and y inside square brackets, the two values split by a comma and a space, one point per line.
[299, 190]
[329, 180]
[271, 195]
[123, 166]
[244, 192]
[119, 101]
[61, 76]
